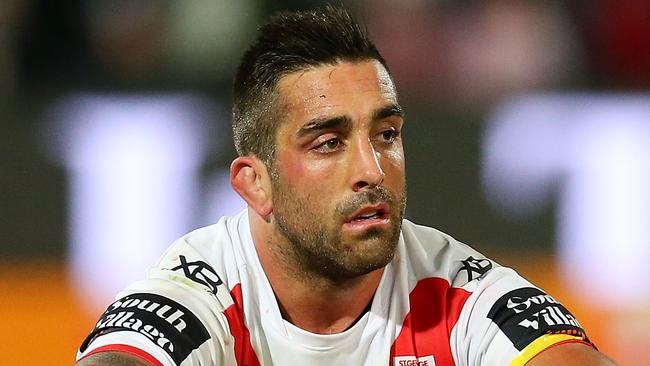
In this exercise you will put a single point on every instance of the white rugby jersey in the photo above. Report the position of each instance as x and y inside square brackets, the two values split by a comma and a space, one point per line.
[439, 303]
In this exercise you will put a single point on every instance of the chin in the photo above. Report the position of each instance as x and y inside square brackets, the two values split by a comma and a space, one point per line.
[369, 254]
[361, 268]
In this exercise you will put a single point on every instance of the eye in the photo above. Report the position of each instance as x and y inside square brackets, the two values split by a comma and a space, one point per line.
[328, 146]
[388, 135]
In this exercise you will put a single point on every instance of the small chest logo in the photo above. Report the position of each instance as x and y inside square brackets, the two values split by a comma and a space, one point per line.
[414, 361]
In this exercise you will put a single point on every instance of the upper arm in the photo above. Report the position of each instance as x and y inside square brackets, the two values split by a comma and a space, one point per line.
[508, 321]
[578, 354]
[172, 318]
[112, 359]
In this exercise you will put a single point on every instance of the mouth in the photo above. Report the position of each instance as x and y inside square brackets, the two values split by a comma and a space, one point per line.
[369, 216]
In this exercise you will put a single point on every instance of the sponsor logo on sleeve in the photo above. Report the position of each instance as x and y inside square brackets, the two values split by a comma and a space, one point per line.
[527, 313]
[168, 324]
[475, 268]
[414, 361]
[199, 272]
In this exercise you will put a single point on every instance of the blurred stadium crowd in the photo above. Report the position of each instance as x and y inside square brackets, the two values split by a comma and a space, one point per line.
[454, 62]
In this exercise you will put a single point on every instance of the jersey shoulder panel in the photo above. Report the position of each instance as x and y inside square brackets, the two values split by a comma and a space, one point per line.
[164, 317]
[501, 318]
[506, 318]
[209, 256]
[185, 265]
[180, 305]
[432, 253]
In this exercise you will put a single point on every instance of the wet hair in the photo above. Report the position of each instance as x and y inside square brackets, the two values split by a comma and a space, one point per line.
[289, 42]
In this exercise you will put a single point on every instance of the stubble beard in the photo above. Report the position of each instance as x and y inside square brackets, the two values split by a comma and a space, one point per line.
[314, 244]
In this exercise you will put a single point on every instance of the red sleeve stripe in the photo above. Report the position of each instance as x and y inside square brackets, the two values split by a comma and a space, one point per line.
[126, 349]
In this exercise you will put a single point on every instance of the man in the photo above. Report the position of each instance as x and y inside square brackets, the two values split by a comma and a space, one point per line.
[321, 269]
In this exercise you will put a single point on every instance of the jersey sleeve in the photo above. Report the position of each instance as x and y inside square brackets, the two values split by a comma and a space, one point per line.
[173, 318]
[507, 321]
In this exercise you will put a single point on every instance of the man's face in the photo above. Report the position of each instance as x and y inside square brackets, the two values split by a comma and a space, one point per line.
[338, 178]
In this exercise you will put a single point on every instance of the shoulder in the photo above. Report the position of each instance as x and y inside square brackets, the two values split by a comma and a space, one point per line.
[516, 319]
[169, 317]
[165, 318]
[208, 258]
[432, 253]
[495, 315]
[178, 311]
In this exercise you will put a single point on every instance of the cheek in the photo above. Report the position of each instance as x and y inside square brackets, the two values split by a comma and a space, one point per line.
[311, 185]
[307, 176]
[393, 161]
[394, 169]
[292, 173]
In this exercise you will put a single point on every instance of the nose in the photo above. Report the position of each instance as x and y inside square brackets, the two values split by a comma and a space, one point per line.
[366, 167]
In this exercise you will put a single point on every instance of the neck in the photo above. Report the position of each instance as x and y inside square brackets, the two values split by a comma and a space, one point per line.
[311, 302]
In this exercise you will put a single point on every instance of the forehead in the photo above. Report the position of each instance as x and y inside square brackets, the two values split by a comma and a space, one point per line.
[345, 88]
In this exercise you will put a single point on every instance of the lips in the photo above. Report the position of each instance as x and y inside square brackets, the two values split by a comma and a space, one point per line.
[369, 214]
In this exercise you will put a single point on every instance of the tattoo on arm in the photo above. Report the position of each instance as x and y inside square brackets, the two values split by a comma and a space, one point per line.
[112, 359]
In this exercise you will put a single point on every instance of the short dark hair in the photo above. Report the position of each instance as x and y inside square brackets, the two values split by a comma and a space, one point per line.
[287, 43]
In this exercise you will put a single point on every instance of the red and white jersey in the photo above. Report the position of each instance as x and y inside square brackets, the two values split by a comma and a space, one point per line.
[208, 302]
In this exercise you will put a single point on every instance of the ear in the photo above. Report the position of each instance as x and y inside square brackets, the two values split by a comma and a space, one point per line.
[250, 179]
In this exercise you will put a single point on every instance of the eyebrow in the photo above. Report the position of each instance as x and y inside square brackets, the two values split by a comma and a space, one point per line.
[325, 123]
[392, 110]
[344, 122]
